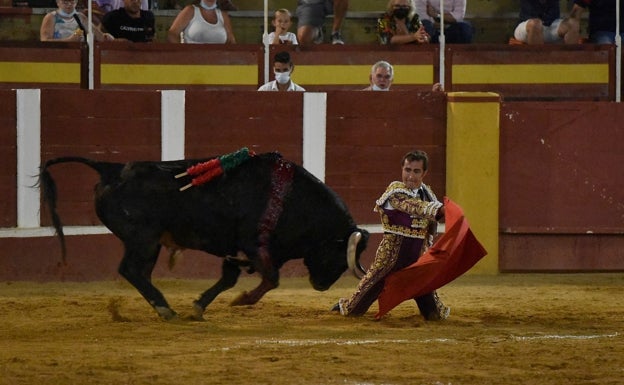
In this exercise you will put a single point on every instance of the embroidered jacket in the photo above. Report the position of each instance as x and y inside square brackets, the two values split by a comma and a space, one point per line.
[386, 27]
[409, 216]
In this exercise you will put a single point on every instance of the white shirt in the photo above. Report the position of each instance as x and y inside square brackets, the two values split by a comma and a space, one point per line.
[289, 36]
[272, 86]
[199, 31]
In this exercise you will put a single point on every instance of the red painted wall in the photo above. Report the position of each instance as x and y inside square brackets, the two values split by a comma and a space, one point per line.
[561, 186]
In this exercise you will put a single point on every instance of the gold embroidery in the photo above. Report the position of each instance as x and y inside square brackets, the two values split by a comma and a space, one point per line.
[402, 198]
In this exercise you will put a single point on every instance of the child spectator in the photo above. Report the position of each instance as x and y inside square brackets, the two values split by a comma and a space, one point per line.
[282, 22]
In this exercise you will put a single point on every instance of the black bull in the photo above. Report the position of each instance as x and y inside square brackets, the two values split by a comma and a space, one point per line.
[257, 216]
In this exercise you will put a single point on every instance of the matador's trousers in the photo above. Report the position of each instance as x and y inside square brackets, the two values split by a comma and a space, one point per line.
[394, 253]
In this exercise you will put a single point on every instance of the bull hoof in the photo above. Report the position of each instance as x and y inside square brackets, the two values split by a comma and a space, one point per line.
[242, 300]
[166, 313]
[198, 312]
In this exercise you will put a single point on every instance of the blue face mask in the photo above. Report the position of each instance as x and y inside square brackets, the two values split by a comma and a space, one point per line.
[208, 7]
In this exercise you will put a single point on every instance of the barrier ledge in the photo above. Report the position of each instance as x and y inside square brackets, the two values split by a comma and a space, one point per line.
[41, 64]
[562, 72]
[331, 67]
[122, 65]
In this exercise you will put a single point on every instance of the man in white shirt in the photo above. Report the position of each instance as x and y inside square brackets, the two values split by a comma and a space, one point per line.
[283, 68]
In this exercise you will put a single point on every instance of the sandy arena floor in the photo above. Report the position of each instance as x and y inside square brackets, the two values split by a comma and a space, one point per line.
[508, 329]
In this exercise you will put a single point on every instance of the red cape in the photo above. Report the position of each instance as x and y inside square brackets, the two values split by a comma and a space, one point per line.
[454, 253]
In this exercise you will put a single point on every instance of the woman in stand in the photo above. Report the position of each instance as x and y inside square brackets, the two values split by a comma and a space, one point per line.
[401, 24]
[62, 24]
[202, 24]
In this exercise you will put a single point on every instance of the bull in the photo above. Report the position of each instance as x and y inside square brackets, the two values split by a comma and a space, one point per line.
[256, 216]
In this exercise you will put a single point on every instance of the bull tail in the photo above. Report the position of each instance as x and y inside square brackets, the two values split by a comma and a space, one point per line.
[49, 192]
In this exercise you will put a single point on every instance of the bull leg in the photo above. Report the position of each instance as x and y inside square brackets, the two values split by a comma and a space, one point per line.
[136, 267]
[254, 296]
[270, 280]
[229, 276]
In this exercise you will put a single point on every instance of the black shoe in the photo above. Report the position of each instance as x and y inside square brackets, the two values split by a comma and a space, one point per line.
[336, 307]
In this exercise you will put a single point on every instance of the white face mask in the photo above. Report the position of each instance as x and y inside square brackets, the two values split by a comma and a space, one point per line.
[282, 77]
[65, 14]
[208, 7]
[377, 88]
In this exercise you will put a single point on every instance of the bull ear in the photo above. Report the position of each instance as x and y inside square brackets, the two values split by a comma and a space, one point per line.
[352, 262]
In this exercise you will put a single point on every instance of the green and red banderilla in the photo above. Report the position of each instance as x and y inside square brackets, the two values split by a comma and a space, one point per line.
[206, 171]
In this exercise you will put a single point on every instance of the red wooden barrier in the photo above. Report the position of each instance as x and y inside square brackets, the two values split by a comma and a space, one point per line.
[125, 65]
[533, 72]
[38, 65]
[114, 125]
[323, 68]
[561, 191]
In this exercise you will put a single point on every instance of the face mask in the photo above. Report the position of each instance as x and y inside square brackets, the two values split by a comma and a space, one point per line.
[208, 7]
[377, 88]
[65, 14]
[282, 77]
[401, 13]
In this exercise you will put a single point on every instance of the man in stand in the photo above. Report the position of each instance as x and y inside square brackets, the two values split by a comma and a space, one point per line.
[283, 68]
[130, 22]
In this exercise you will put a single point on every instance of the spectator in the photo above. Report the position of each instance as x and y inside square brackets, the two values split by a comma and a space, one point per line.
[311, 15]
[111, 5]
[65, 24]
[409, 212]
[540, 22]
[203, 24]
[282, 22]
[283, 68]
[381, 77]
[601, 24]
[400, 24]
[224, 5]
[456, 29]
[130, 23]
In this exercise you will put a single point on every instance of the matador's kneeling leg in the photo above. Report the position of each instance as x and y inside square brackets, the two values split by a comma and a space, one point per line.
[432, 308]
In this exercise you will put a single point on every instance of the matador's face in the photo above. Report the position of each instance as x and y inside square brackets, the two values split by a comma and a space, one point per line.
[413, 173]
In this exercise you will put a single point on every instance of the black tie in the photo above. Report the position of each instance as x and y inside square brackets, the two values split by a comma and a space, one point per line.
[421, 194]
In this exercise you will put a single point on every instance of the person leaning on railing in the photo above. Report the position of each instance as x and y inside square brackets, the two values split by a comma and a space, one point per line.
[400, 24]
[65, 24]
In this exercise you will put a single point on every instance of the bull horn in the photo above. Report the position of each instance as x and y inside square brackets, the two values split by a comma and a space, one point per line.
[353, 264]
